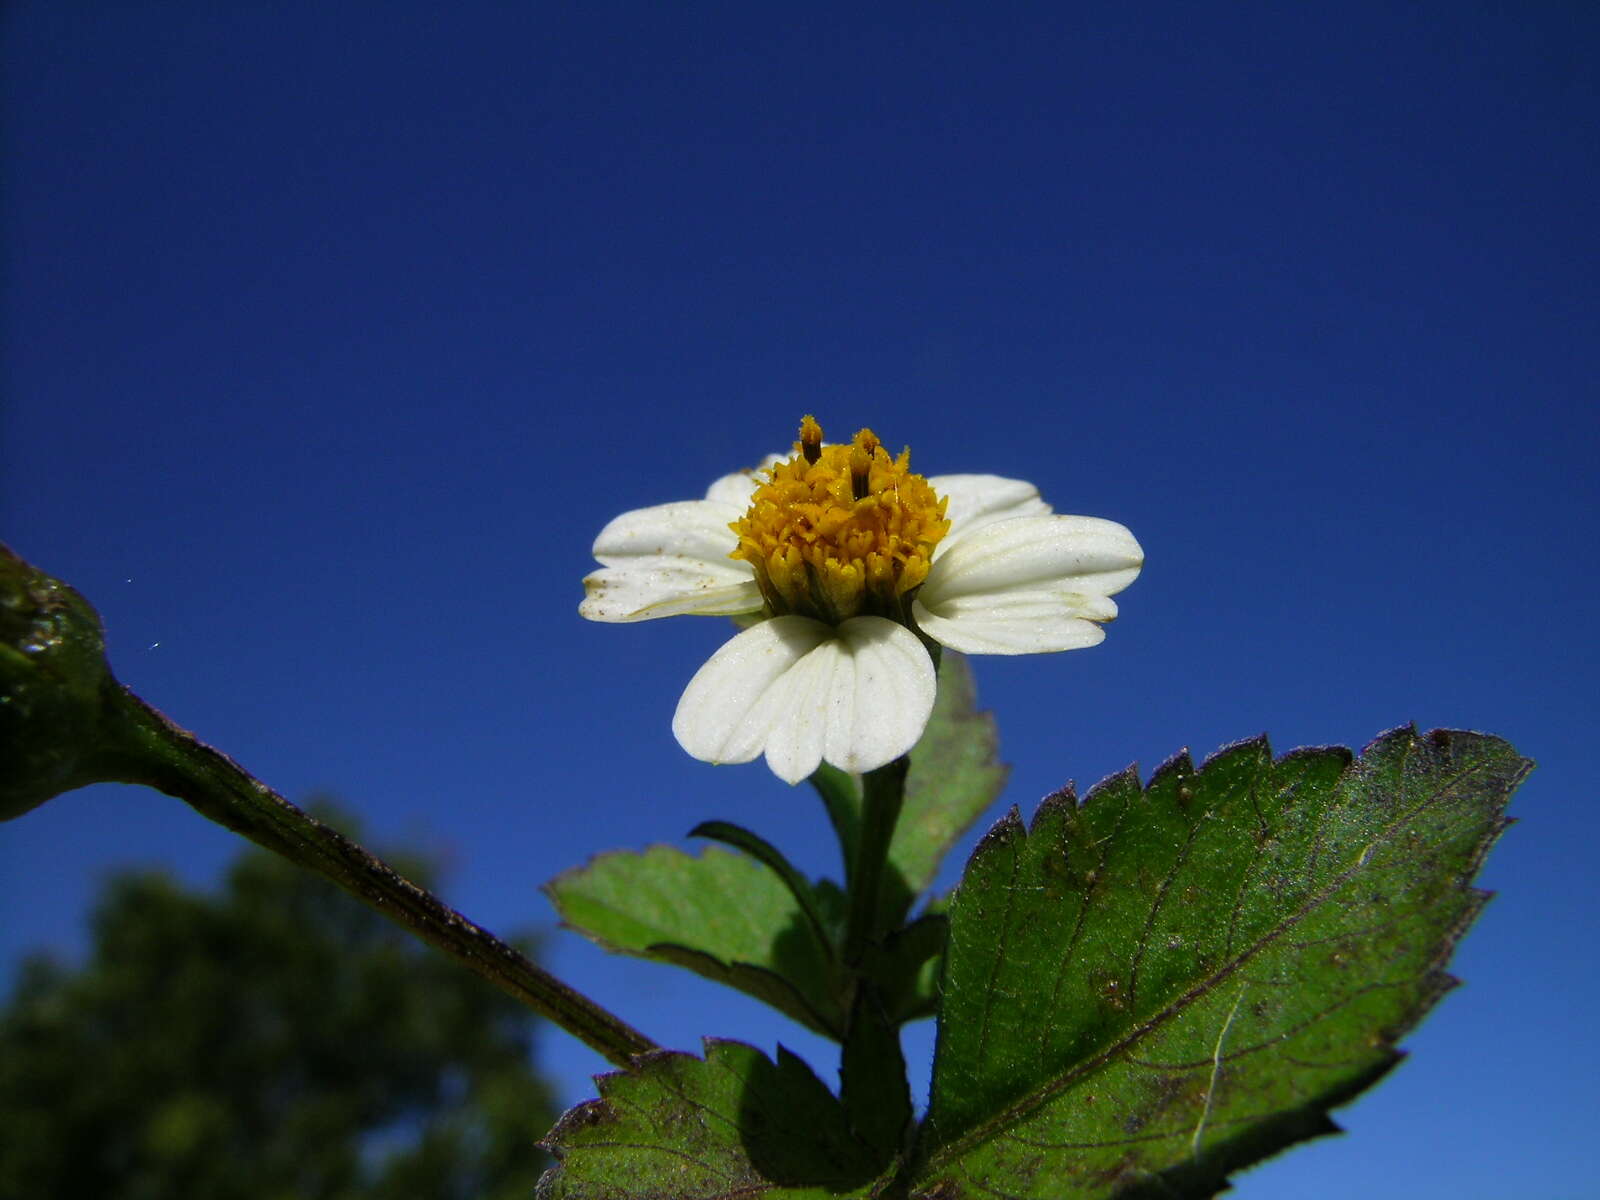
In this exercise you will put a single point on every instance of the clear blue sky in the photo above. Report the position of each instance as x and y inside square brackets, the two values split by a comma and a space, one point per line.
[334, 333]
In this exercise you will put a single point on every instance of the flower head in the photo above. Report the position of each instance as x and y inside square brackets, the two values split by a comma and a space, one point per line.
[849, 561]
[840, 530]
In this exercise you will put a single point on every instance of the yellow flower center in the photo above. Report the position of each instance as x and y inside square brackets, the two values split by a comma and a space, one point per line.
[838, 531]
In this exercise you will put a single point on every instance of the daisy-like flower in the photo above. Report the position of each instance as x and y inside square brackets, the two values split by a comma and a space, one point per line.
[843, 557]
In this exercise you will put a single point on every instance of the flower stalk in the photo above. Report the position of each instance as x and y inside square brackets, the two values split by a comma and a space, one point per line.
[872, 1069]
[882, 795]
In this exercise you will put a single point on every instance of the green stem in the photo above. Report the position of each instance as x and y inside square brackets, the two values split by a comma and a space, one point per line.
[841, 795]
[149, 749]
[872, 1070]
[882, 793]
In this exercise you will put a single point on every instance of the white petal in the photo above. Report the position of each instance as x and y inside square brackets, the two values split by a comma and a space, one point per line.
[1028, 586]
[857, 695]
[668, 560]
[890, 685]
[980, 500]
[736, 489]
[1071, 554]
[647, 588]
[795, 712]
[1017, 622]
[714, 717]
[694, 529]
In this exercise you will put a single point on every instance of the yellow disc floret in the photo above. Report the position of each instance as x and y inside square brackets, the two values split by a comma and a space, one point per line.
[838, 531]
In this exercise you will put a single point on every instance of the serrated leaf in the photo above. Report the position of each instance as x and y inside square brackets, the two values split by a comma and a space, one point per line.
[734, 1124]
[718, 914]
[1146, 993]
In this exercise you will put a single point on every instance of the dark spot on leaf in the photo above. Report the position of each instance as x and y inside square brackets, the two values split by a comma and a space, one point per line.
[1110, 991]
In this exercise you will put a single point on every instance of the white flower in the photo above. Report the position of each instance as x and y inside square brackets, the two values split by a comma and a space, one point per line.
[845, 553]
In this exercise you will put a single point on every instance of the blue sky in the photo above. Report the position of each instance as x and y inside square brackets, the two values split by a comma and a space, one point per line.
[334, 333]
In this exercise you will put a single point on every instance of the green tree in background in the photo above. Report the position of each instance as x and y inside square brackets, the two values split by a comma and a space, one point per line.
[274, 1041]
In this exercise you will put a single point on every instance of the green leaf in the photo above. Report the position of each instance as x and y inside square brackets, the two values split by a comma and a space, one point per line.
[906, 967]
[1148, 992]
[719, 914]
[769, 856]
[953, 777]
[872, 1077]
[735, 1124]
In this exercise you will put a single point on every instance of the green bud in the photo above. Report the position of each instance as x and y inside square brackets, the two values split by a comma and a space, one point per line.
[54, 687]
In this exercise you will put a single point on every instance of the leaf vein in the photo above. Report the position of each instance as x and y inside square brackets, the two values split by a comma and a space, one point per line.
[991, 992]
[1172, 872]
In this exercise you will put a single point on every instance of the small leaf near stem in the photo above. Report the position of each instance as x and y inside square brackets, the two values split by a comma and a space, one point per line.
[721, 914]
[733, 1124]
[773, 859]
[872, 1077]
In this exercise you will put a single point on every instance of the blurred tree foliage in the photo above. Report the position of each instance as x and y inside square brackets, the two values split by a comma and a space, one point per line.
[274, 1041]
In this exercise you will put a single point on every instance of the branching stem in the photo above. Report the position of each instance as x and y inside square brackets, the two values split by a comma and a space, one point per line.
[149, 749]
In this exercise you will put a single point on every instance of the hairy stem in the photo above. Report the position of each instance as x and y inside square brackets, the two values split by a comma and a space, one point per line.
[149, 749]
